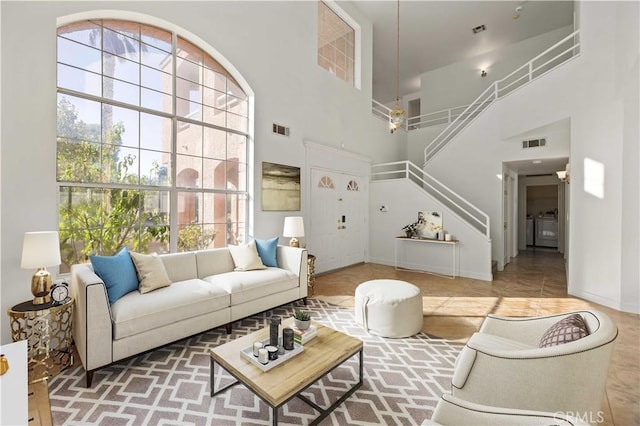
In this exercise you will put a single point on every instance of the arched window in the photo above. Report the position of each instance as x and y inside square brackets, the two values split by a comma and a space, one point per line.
[151, 142]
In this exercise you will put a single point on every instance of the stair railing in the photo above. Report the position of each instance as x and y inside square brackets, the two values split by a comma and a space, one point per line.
[459, 205]
[499, 88]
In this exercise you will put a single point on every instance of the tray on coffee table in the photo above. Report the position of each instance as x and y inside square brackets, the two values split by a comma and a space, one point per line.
[247, 353]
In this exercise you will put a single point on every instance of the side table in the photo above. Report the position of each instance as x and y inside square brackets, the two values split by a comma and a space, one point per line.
[311, 274]
[47, 330]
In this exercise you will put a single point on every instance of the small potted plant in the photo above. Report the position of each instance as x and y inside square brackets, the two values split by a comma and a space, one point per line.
[302, 319]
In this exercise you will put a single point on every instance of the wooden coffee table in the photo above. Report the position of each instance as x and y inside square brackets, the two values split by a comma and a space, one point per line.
[277, 386]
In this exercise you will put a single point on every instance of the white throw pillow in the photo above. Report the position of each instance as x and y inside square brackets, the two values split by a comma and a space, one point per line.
[246, 257]
[151, 272]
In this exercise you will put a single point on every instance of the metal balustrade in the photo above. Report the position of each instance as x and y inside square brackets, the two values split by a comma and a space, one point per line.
[457, 118]
[445, 195]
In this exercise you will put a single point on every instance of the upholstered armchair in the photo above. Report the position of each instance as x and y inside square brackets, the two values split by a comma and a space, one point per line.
[503, 365]
[454, 411]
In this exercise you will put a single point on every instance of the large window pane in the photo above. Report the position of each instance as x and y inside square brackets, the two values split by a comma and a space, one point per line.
[155, 132]
[79, 80]
[137, 163]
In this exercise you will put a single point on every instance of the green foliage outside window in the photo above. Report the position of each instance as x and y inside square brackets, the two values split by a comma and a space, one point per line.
[101, 220]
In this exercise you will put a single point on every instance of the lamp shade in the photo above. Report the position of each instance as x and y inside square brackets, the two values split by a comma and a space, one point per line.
[40, 249]
[293, 226]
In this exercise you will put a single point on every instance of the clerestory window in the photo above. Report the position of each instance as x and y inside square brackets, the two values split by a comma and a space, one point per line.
[151, 143]
[336, 44]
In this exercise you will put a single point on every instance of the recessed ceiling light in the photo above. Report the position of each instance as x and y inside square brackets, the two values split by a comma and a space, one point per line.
[537, 161]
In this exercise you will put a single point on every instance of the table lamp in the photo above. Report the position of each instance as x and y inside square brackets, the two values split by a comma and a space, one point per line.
[39, 250]
[293, 227]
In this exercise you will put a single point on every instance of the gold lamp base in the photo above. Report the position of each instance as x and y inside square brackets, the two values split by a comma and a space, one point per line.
[41, 287]
[293, 242]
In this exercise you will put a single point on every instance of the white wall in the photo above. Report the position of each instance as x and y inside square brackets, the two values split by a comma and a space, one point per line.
[460, 83]
[273, 46]
[599, 93]
[403, 200]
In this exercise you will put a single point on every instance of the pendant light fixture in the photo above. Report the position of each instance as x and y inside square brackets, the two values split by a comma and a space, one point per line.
[396, 116]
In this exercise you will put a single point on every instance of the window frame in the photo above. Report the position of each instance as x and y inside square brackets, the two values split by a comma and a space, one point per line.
[357, 60]
[241, 194]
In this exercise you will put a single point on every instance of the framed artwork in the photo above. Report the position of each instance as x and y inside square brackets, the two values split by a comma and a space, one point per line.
[429, 224]
[280, 187]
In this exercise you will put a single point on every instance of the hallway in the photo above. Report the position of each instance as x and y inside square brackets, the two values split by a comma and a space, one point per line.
[534, 283]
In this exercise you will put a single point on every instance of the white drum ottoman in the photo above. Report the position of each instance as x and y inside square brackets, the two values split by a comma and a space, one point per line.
[389, 308]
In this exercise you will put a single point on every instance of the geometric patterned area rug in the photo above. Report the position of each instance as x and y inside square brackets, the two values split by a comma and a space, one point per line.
[403, 381]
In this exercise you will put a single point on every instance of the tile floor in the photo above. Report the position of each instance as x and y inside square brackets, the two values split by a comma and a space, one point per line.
[534, 283]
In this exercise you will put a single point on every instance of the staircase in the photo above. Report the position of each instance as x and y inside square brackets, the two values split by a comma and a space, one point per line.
[443, 194]
[558, 54]
[403, 189]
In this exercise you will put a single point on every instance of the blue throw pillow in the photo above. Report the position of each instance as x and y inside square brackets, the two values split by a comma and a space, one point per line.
[267, 251]
[117, 272]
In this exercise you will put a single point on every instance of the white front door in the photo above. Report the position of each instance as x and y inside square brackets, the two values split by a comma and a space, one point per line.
[337, 228]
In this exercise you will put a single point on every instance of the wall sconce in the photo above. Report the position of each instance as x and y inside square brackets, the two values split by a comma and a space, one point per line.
[563, 175]
[483, 73]
[293, 227]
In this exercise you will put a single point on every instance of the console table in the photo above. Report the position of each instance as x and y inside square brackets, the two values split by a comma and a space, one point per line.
[453, 244]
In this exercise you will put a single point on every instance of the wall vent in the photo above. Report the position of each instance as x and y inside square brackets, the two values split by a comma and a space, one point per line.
[281, 130]
[534, 143]
[478, 29]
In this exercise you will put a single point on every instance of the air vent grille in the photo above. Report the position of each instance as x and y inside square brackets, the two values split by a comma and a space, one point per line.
[478, 29]
[534, 143]
[280, 130]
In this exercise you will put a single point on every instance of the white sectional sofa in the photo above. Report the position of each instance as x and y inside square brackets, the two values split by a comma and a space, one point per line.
[205, 293]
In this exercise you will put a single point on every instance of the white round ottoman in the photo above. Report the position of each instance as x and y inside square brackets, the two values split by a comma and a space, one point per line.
[389, 308]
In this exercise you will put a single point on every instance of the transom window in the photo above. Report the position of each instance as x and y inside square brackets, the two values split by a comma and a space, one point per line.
[336, 44]
[151, 143]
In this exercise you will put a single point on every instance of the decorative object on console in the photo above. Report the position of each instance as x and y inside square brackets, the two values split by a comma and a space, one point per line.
[302, 319]
[39, 250]
[430, 224]
[294, 228]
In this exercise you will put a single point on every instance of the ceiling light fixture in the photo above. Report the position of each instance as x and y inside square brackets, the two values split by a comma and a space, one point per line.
[396, 116]
[483, 73]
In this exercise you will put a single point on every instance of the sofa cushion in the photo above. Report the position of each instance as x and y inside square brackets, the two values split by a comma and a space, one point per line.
[250, 285]
[136, 313]
[214, 261]
[151, 272]
[566, 330]
[267, 251]
[117, 272]
[245, 257]
[180, 266]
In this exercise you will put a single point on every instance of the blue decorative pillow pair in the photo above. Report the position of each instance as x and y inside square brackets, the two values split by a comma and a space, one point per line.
[267, 251]
[118, 273]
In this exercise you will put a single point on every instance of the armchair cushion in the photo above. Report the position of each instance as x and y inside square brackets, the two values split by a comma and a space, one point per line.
[566, 330]
[117, 272]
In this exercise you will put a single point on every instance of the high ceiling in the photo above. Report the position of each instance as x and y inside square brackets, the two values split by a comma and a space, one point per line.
[437, 33]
